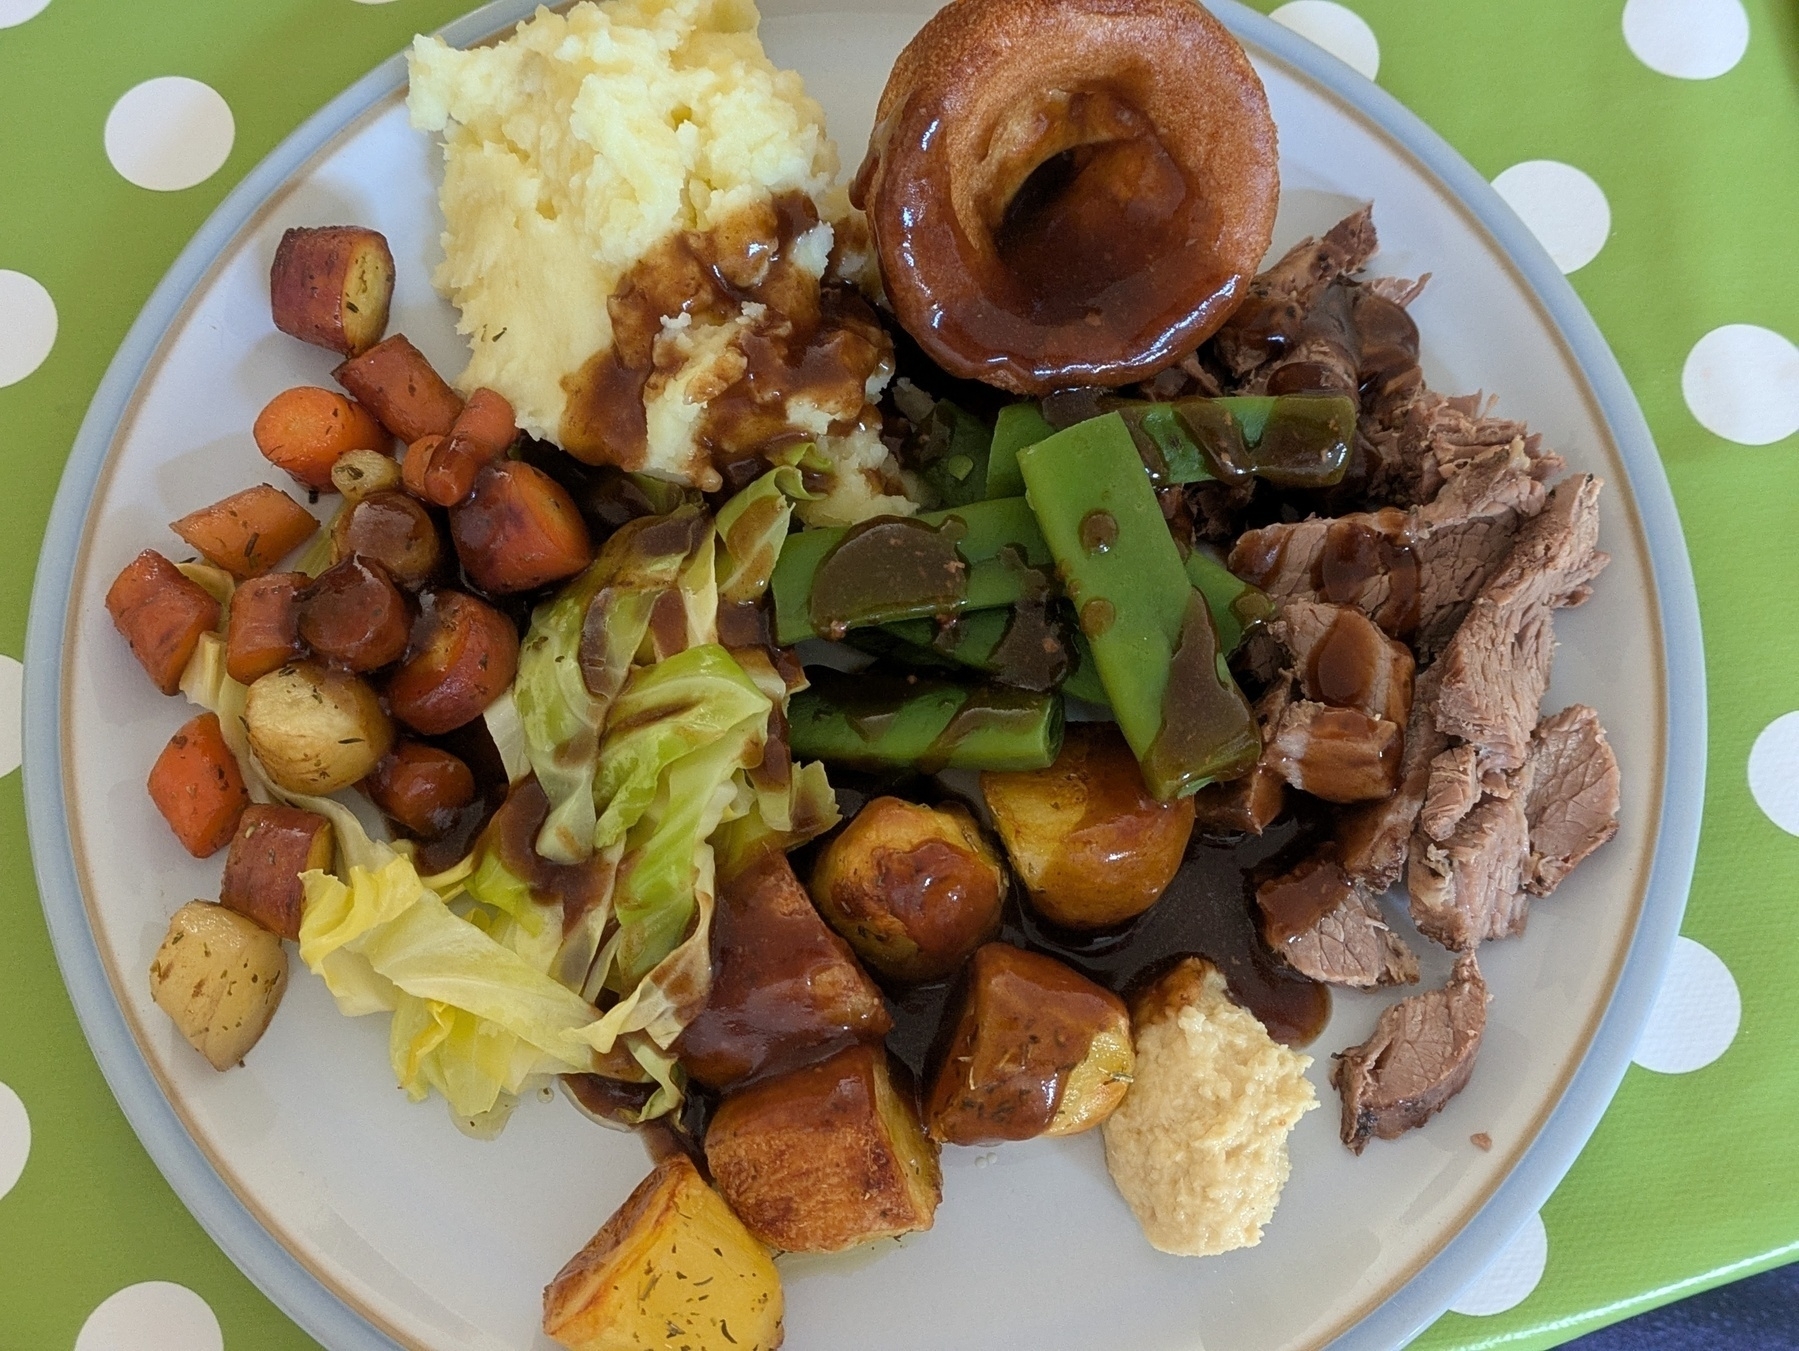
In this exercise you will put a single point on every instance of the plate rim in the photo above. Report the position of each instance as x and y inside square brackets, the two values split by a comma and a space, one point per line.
[320, 1312]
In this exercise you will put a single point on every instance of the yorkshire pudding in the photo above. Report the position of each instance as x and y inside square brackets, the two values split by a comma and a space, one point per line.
[1069, 192]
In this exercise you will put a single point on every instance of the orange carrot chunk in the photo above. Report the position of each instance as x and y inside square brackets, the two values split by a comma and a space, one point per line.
[397, 383]
[331, 285]
[304, 430]
[197, 786]
[415, 465]
[162, 615]
[249, 532]
[264, 632]
[519, 530]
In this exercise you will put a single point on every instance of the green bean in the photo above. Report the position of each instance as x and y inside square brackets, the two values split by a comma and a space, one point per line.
[873, 721]
[950, 453]
[1018, 425]
[1237, 607]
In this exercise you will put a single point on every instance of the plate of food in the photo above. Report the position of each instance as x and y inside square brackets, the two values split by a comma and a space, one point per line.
[863, 676]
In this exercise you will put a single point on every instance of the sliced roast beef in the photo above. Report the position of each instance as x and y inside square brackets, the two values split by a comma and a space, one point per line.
[1271, 317]
[1454, 789]
[1496, 667]
[1419, 1057]
[1572, 806]
[1342, 658]
[1373, 840]
[1337, 754]
[1469, 887]
[1327, 928]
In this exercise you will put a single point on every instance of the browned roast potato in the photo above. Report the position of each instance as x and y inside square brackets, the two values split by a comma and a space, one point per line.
[394, 530]
[315, 729]
[355, 616]
[1037, 1049]
[782, 983]
[463, 655]
[1091, 843]
[274, 844]
[915, 889]
[826, 1157]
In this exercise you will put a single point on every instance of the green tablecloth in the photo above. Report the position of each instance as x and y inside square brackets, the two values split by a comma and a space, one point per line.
[1655, 147]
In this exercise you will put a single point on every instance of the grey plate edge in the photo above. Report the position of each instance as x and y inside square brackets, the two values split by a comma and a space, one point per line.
[1429, 1293]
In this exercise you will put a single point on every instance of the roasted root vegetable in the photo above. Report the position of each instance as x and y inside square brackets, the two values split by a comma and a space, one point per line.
[395, 382]
[249, 532]
[519, 529]
[396, 532]
[355, 616]
[360, 473]
[783, 985]
[672, 1267]
[914, 889]
[273, 845]
[463, 655]
[306, 430]
[1089, 840]
[220, 977]
[162, 615]
[197, 786]
[826, 1157]
[315, 729]
[1035, 1049]
[330, 286]
[483, 432]
[263, 632]
[416, 464]
[422, 787]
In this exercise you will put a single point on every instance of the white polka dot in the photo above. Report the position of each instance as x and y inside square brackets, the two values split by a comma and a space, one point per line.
[1696, 1014]
[12, 714]
[1742, 382]
[1564, 209]
[15, 12]
[1336, 28]
[1688, 39]
[169, 133]
[1774, 772]
[29, 330]
[152, 1316]
[1510, 1276]
[15, 1138]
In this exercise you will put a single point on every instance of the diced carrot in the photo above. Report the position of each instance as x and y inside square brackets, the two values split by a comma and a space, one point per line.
[483, 433]
[263, 634]
[397, 383]
[486, 421]
[162, 615]
[304, 430]
[331, 285]
[249, 532]
[519, 530]
[421, 787]
[197, 786]
[272, 846]
[415, 465]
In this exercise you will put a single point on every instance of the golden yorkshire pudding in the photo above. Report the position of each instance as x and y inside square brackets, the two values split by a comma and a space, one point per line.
[1069, 192]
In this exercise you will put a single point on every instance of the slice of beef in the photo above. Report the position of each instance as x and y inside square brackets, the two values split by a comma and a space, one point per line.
[1572, 806]
[1419, 1057]
[1337, 754]
[1274, 312]
[1496, 667]
[1469, 887]
[1373, 840]
[1343, 659]
[1455, 788]
[1325, 927]
[1249, 805]
[1401, 291]
[1451, 430]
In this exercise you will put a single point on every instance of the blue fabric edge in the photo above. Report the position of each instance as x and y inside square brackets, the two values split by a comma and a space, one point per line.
[1428, 1294]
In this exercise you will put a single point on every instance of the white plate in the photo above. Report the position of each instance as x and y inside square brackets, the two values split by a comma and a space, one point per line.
[368, 1218]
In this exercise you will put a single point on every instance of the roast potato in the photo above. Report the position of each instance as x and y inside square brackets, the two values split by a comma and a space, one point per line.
[826, 1157]
[274, 844]
[782, 983]
[1037, 1049]
[315, 729]
[914, 889]
[462, 657]
[1090, 842]
[672, 1267]
[220, 977]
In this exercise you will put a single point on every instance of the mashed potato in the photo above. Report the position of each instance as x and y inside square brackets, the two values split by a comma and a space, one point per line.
[572, 151]
[1199, 1145]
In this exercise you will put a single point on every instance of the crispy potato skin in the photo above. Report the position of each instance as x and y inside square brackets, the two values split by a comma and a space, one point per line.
[274, 844]
[826, 1157]
[462, 656]
[1091, 843]
[672, 1267]
[330, 286]
[914, 889]
[220, 977]
[315, 729]
[783, 984]
[1037, 1049]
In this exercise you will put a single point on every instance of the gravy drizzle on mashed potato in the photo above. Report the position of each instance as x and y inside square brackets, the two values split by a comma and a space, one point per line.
[649, 253]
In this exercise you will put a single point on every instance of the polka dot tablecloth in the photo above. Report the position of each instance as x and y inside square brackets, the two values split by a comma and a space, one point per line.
[1653, 147]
